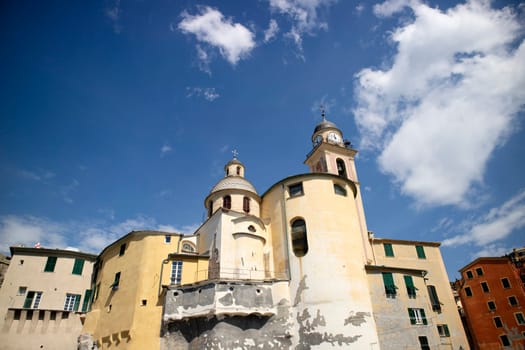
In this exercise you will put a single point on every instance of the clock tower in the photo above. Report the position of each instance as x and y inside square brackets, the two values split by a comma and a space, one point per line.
[332, 154]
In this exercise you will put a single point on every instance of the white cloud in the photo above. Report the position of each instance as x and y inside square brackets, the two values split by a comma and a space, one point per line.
[90, 236]
[233, 40]
[165, 149]
[114, 14]
[495, 226]
[67, 190]
[449, 98]
[271, 32]
[209, 94]
[304, 16]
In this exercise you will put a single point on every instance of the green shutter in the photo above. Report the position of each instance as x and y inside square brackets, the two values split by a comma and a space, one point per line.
[87, 300]
[411, 289]
[29, 300]
[412, 316]
[50, 264]
[447, 333]
[77, 302]
[424, 316]
[389, 251]
[78, 266]
[420, 252]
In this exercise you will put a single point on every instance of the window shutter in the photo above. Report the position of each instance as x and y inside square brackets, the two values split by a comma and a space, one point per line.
[77, 302]
[29, 300]
[423, 316]
[50, 264]
[434, 300]
[420, 252]
[87, 300]
[447, 333]
[78, 266]
[412, 316]
[389, 251]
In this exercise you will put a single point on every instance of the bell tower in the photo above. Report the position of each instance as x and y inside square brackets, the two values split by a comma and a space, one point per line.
[332, 154]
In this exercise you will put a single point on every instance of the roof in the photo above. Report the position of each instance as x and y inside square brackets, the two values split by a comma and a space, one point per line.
[490, 259]
[233, 183]
[51, 252]
[325, 124]
[403, 241]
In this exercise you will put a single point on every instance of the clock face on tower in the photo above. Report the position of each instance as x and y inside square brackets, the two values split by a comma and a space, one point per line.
[333, 137]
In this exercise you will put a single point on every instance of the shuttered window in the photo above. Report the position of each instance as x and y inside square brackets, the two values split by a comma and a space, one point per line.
[411, 289]
[390, 287]
[434, 299]
[78, 267]
[389, 251]
[50, 264]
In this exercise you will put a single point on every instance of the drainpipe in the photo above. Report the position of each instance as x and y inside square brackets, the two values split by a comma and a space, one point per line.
[285, 226]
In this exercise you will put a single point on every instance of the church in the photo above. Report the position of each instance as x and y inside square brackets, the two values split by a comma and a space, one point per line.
[292, 268]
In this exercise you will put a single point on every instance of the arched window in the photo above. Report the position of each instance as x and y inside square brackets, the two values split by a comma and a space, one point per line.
[246, 204]
[238, 170]
[188, 247]
[227, 202]
[210, 208]
[299, 240]
[341, 169]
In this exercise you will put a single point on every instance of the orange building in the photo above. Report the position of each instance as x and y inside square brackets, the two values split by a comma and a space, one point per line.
[492, 293]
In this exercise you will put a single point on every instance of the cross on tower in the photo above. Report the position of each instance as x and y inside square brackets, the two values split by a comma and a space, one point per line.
[323, 114]
[235, 154]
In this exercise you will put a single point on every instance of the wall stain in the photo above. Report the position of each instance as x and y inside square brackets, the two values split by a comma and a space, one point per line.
[357, 319]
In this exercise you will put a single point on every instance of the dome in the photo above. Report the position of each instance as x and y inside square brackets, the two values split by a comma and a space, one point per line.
[325, 124]
[233, 183]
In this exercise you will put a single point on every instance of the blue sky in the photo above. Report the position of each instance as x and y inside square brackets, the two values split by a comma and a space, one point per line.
[119, 115]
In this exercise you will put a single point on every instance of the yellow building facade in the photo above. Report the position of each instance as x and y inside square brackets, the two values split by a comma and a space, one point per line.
[129, 283]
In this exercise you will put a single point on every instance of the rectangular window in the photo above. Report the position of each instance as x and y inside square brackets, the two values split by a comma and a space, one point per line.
[491, 305]
[411, 289]
[87, 301]
[389, 251]
[52, 315]
[504, 340]
[17, 314]
[468, 292]
[505, 283]
[443, 330]
[390, 287]
[513, 301]
[469, 274]
[41, 315]
[423, 343]
[50, 264]
[176, 272]
[497, 322]
[32, 300]
[296, 189]
[29, 314]
[479, 271]
[434, 299]
[420, 252]
[116, 282]
[167, 239]
[72, 302]
[417, 316]
[520, 320]
[97, 289]
[122, 249]
[78, 267]
[22, 290]
[485, 287]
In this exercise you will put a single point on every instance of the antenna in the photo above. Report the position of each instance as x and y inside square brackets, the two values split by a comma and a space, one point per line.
[323, 114]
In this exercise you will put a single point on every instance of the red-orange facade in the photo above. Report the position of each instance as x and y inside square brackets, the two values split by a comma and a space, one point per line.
[492, 293]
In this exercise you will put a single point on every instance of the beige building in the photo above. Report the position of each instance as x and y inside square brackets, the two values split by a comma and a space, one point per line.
[4, 264]
[412, 297]
[44, 297]
[129, 282]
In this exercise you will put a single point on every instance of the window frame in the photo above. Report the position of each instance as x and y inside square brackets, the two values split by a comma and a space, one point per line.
[443, 330]
[296, 190]
[86, 304]
[434, 298]
[520, 319]
[176, 272]
[504, 340]
[513, 297]
[505, 283]
[485, 287]
[479, 271]
[340, 190]
[498, 323]
[32, 299]
[411, 288]
[299, 237]
[72, 302]
[167, 239]
[469, 274]
[122, 249]
[246, 204]
[468, 291]
[417, 316]
[491, 302]
[341, 167]
[227, 202]
[116, 281]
